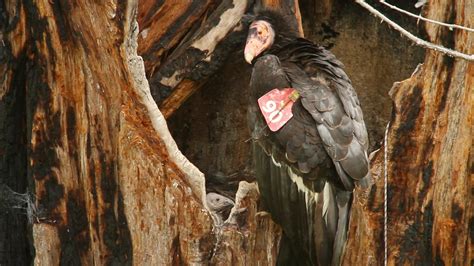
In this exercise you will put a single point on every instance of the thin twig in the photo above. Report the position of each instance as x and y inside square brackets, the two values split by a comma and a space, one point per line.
[385, 190]
[414, 38]
[450, 26]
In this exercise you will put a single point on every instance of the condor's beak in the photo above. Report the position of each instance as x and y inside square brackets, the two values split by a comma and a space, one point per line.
[253, 48]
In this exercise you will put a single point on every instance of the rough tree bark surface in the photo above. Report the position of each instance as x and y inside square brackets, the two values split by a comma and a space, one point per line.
[80, 129]
[429, 160]
[110, 185]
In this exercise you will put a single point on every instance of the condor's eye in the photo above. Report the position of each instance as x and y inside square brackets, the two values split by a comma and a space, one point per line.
[260, 33]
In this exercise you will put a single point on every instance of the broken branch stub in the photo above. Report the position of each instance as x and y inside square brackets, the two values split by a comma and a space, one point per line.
[201, 55]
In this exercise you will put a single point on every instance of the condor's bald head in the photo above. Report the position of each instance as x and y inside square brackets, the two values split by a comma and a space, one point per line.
[267, 28]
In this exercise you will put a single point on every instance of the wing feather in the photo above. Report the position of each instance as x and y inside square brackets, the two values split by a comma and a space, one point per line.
[336, 110]
[299, 139]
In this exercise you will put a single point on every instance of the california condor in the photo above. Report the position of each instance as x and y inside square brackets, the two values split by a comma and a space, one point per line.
[306, 167]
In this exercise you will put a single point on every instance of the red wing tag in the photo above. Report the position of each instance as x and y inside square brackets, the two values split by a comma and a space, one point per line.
[276, 107]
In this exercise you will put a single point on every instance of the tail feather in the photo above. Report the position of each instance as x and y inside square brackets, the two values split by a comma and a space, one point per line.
[343, 204]
[314, 224]
[322, 236]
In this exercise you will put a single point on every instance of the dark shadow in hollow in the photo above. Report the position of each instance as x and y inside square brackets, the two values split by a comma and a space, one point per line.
[375, 56]
[211, 127]
[15, 248]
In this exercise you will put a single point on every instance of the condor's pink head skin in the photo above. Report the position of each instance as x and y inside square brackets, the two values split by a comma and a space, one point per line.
[260, 38]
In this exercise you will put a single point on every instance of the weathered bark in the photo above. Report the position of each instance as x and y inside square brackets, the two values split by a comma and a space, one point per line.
[110, 184]
[79, 127]
[183, 44]
[197, 55]
[14, 247]
[373, 63]
[429, 160]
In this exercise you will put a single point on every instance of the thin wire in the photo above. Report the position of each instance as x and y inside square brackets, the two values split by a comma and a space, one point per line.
[385, 186]
[450, 26]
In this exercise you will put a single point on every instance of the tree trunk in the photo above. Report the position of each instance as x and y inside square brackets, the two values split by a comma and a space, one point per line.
[110, 184]
[80, 129]
[429, 159]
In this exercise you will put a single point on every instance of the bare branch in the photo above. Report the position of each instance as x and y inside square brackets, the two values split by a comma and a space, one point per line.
[450, 26]
[414, 38]
[194, 177]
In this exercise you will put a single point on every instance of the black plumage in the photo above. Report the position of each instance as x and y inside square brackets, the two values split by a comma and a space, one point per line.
[306, 170]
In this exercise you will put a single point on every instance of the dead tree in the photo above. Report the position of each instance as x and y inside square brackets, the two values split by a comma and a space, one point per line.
[428, 159]
[81, 130]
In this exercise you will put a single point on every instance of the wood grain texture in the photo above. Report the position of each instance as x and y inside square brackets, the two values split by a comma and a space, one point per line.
[109, 188]
[176, 71]
[75, 131]
[74, 83]
[429, 166]
[179, 69]
[247, 237]
[163, 24]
